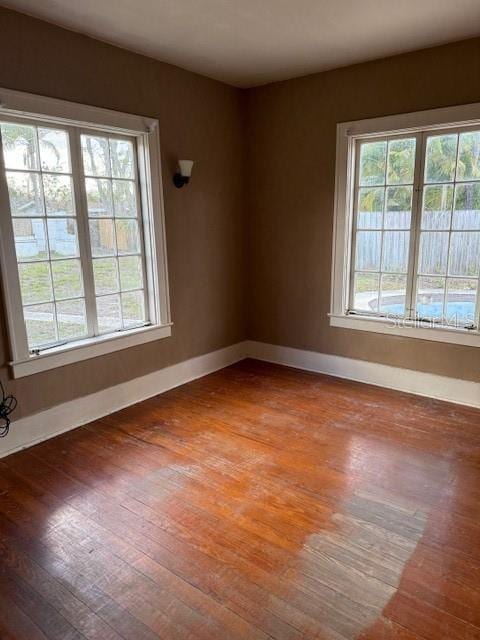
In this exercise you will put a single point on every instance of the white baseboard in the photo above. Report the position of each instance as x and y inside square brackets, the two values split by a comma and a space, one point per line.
[33, 429]
[423, 384]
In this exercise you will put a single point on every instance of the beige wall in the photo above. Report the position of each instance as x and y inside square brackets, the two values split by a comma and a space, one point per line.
[291, 164]
[283, 187]
[199, 119]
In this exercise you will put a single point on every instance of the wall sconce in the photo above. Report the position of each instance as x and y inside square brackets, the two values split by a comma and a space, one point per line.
[183, 176]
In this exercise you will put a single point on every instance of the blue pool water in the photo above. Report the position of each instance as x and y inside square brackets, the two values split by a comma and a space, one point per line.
[434, 309]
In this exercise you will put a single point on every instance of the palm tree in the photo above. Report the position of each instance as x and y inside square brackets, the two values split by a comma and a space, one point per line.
[23, 142]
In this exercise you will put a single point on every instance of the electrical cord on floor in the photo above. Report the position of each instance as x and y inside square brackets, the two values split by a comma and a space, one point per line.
[7, 405]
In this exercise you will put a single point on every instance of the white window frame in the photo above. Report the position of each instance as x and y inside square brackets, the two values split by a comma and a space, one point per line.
[146, 132]
[348, 133]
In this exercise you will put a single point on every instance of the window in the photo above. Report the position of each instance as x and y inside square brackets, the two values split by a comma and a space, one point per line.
[82, 230]
[383, 218]
[407, 230]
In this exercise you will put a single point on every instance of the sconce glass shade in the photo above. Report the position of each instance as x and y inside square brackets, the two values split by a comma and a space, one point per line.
[185, 168]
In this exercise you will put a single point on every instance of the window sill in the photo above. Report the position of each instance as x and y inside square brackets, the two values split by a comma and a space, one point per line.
[89, 348]
[409, 329]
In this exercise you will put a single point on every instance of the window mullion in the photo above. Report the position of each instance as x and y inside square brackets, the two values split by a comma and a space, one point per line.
[147, 298]
[9, 268]
[415, 224]
[353, 230]
[476, 317]
[83, 232]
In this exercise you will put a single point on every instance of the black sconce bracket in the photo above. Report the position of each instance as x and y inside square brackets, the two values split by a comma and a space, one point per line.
[179, 180]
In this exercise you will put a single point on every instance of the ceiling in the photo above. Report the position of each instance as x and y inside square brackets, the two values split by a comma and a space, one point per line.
[251, 42]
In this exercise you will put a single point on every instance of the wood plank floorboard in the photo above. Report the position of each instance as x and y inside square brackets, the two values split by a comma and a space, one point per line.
[259, 502]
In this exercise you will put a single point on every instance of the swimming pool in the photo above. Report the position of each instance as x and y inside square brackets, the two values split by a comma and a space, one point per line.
[459, 309]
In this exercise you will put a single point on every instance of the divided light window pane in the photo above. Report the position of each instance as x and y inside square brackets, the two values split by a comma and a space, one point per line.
[449, 247]
[54, 263]
[383, 212]
[115, 232]
[442, 282]
[40, 189]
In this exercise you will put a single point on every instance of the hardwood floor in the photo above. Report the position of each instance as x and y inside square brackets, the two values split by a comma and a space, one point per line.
[258, 502]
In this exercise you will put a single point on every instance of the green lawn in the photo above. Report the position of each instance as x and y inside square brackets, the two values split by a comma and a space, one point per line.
[36, 285]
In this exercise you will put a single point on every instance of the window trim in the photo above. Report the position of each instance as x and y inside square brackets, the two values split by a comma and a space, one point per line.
[146, 131]
[347, 132]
